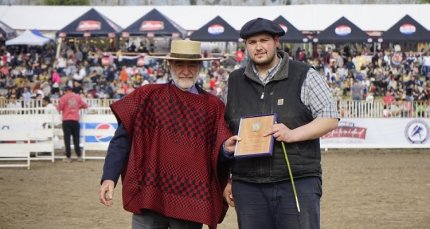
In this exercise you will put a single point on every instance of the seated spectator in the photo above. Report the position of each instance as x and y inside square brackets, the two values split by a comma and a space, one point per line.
[94, 76]
[386, 112]
[388, 98]
[420, 109]
[47, 104]
[370, 98]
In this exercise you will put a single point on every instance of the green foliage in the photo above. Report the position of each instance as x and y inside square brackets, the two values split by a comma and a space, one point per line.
[425, 1]
[67, 2]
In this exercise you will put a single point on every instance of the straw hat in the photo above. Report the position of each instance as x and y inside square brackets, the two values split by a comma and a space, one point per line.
[185, 50]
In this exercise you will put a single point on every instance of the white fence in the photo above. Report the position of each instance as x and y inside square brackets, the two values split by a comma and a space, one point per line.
[347, 108]
[14, 149]
[98, 125]
[22, 136]
[97, 128]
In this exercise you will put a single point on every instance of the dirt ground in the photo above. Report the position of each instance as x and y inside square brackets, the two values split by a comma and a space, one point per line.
[362, 189]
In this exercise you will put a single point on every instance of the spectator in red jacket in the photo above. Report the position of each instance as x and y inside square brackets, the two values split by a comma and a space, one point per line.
[69, 106]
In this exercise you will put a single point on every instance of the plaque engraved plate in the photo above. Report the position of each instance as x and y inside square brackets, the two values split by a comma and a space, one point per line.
[251, 131]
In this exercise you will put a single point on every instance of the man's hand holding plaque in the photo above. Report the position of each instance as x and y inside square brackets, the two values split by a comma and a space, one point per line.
[253, 141]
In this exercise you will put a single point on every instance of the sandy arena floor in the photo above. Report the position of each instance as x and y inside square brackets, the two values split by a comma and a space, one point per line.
[370, 189]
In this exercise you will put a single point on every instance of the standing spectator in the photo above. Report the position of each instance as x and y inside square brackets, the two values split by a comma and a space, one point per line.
[78, 56]
[80, 74]
[123, 75]
[426, 66]
[357, 90]
[55, 77]
[61, 64]
[300, 55]
[272, 83]
[26, 96]
[69, 106]
[162, 128]
[350, 65]
[109, 73]
[339, 61]
[239, 55]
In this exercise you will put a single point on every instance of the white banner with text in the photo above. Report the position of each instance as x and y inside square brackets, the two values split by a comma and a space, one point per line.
[97, 130]
[379, 133]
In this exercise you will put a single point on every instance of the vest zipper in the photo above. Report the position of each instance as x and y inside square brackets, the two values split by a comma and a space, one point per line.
[262, 93]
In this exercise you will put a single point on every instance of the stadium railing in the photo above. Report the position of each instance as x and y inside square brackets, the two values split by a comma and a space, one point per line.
[346, 108]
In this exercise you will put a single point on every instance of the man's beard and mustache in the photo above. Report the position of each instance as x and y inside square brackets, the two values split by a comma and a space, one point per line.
[265, 61]
[184, 83]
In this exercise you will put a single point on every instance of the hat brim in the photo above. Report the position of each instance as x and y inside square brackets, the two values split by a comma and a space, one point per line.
[186, 59]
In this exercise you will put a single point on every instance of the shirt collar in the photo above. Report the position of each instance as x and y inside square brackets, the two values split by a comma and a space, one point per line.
[271, 72]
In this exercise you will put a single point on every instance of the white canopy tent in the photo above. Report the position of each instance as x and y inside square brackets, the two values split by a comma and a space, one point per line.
[28, 38]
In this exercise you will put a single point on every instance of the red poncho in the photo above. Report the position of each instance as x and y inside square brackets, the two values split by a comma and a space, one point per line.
[172, 167]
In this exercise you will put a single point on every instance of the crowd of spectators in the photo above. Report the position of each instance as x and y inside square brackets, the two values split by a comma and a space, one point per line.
[399, 79]
[35, 72]
[29, 72]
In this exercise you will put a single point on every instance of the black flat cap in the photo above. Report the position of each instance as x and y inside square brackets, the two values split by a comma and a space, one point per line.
[260, 25]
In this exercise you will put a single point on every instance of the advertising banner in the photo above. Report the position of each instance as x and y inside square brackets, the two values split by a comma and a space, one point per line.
[379, 133]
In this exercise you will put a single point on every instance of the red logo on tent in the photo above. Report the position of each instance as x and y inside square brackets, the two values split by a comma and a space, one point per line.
[407, 29]
[216, 29]
[89, 25]
[342, 30]
[284, 27]
[151, 25]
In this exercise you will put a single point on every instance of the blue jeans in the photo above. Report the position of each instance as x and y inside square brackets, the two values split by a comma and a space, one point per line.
[273, 206]
[153, 220]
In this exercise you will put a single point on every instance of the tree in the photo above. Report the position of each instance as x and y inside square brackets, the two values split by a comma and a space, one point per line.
[67, 2]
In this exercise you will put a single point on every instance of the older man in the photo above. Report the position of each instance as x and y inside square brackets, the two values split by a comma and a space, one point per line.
[166, 148]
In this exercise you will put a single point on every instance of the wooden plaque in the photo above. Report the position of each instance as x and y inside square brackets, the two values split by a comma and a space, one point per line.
[251, 131]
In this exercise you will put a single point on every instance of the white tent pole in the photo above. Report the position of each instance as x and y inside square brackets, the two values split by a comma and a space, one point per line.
[59, 41]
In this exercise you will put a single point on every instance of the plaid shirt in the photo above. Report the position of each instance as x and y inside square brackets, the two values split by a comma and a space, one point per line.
[270, 73]
[315, 93]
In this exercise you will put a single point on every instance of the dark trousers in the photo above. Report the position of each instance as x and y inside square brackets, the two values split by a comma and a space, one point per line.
[153, 220]
[71, 128]
[273, 206]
